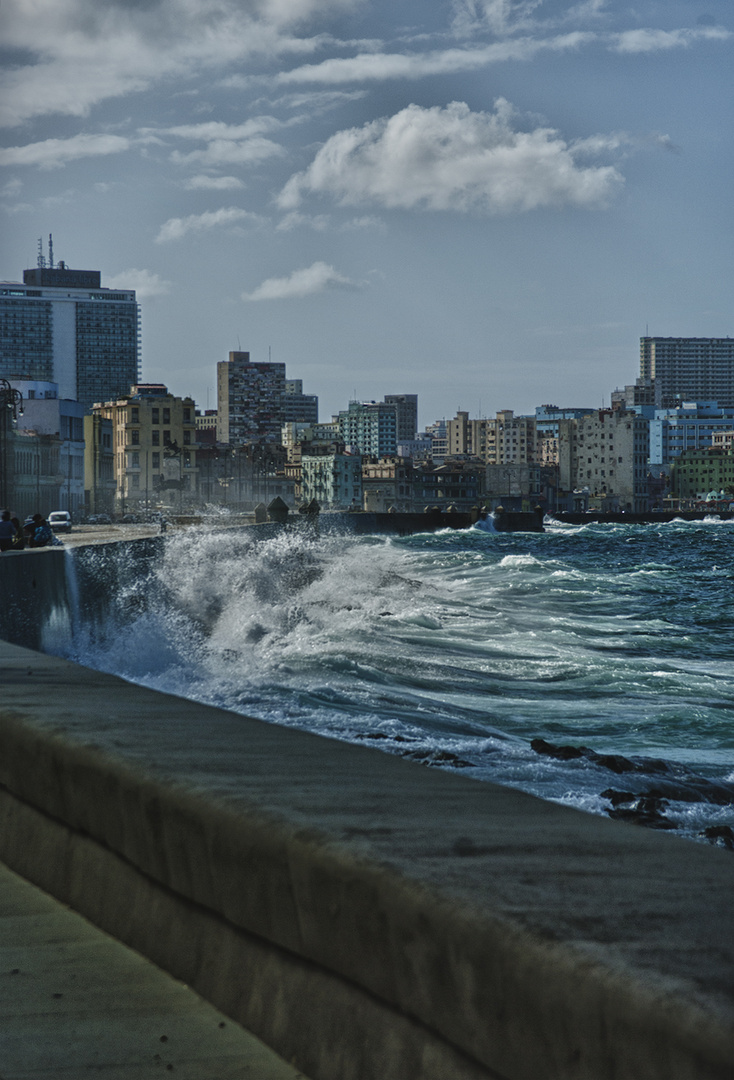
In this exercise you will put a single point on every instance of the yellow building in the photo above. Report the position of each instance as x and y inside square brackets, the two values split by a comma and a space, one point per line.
[154, 445]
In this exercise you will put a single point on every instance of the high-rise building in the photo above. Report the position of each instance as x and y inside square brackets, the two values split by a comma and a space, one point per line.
[370, 426]
[299, 408]
[688, 369]
[60, 325]
[406, 406]
[250, 400]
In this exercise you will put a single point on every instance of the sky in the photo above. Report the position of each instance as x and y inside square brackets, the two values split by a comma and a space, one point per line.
[484, 202]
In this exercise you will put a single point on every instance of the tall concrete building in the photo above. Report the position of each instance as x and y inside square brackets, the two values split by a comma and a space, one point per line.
[59, 325]
[688, 369]
[370, 426]
[406, 406]
[607, 453]
[299, 408]
[250, 400]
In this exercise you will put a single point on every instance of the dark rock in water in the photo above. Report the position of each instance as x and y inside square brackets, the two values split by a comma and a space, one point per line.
[720, 835]
[618, 798]
[647, 811]
[564, 753]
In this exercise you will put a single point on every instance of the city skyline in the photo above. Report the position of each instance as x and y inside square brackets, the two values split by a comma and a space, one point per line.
[486, 203]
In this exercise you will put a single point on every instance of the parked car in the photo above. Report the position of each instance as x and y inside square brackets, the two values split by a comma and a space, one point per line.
[60, 521]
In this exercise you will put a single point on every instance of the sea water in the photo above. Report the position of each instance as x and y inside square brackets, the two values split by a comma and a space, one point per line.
[460, 649]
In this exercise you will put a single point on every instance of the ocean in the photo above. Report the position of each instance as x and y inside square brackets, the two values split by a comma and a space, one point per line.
[591, 665]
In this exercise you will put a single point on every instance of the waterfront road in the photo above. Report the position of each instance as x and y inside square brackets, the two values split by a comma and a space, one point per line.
[74, 1002]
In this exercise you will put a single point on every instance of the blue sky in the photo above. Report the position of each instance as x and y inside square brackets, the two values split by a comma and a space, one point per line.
[484, 202]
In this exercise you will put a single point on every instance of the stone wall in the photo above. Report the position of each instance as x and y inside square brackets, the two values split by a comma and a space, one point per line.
[367, 917]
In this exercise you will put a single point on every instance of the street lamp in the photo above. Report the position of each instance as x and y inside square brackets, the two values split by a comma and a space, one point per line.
[11, 407]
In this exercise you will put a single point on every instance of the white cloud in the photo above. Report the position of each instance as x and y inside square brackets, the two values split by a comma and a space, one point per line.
[82, 53]
[226, 152]
[452, 159]
[11, 189]
[54, 153]
[305, 282]
[145, 283]
[213, 183]
[373, 67]
[177, 228]
[647, 40]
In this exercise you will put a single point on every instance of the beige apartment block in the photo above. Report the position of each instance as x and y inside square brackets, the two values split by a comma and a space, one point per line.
[609, 457]
[506, 439]
[154, 445]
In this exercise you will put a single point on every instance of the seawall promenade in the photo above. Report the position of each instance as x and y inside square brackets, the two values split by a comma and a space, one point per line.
[368, 918]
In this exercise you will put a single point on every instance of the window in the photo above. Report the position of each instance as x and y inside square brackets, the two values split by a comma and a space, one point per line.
[187, 416]
[187, 438]
[156, 460]
[166, 438]
[156, 416]
[156, 438]
[135, 438]
[166, 416]
[135, 415]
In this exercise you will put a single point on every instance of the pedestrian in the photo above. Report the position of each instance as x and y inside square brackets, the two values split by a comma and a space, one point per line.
[20, 539]
[7, 531]
[42, 534]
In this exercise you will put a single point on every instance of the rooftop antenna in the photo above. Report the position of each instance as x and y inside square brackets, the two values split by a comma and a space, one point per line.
[269, 353]
[51, 250]
[40, 262]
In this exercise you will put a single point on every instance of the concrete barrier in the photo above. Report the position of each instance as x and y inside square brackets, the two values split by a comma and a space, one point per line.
[369, 918]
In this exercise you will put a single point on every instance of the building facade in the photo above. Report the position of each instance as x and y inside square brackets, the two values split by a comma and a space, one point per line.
[46, 414]
[703, 475]
[608, 454]
[154, 446]
[297, 406]
[250, 400]
[59, 325]
[688, 369]
[370, 427]
[334, 480]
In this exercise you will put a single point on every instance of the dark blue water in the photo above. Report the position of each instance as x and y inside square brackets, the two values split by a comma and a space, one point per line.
[462, 649]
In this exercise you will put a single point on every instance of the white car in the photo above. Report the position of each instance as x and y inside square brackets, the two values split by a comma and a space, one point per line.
[60, 521]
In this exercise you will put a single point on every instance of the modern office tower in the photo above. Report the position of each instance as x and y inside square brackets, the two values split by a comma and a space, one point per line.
[250, 400]
[61, 326]
[154, 443]
[371, 426]
[407, 414]
[299, 408]
[688, 369]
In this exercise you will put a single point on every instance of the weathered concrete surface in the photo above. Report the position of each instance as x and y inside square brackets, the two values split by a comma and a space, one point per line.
[75, 1002]
[369, 918]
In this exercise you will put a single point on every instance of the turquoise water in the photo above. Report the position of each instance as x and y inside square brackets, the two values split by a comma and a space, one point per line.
[458, 649]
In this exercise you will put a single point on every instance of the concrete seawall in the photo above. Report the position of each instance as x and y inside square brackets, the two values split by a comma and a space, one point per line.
[369, 918]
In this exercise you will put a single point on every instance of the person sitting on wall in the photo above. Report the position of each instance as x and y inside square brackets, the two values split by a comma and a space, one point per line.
[42, 534]
[20, 539]
[7, 531]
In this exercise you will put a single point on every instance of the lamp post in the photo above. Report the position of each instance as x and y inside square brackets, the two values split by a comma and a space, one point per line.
[11, 406]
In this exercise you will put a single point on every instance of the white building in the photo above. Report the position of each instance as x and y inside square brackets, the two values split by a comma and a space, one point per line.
[45, 413]
[333, 480]
[60, 325]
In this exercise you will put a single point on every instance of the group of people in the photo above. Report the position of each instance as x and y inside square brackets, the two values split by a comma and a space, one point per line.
[14, 537]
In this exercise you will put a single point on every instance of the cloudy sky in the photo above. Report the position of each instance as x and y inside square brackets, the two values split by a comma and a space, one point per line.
[485, 202]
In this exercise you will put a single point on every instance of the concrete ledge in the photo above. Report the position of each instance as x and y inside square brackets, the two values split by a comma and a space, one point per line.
[365, 916]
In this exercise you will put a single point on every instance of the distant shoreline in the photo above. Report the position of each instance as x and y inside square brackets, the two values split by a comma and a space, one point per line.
[652, 517]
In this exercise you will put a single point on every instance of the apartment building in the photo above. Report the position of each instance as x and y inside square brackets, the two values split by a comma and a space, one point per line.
[154, 446]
